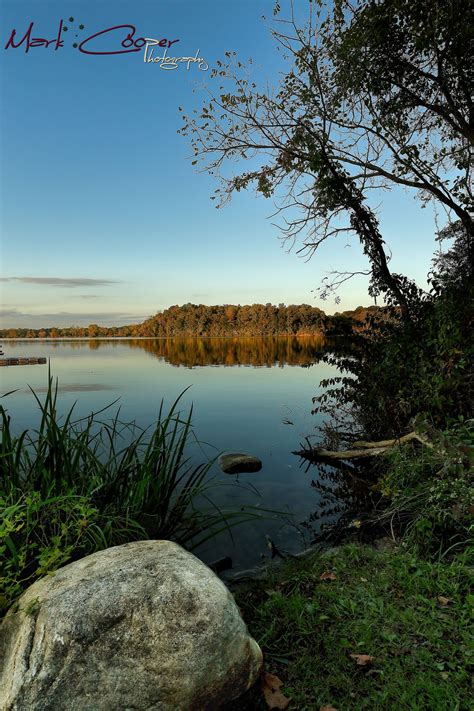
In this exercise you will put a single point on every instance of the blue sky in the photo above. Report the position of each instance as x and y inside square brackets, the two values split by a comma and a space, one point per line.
[103, 217]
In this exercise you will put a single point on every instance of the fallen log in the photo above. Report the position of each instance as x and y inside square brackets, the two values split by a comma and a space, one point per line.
[346, 454]
[386, 442]
[363, 449]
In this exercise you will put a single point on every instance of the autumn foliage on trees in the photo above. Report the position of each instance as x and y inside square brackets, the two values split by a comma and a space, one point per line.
[219, 321]
[199, 320]
[254, 320]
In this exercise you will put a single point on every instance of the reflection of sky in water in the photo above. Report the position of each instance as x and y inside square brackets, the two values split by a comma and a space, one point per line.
[72, 388]
[235, 409]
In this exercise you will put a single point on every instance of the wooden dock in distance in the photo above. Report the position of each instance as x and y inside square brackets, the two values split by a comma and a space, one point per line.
[22, 361]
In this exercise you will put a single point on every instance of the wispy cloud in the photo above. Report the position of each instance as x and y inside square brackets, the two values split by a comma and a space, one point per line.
[12, 318]
[61, 281]
[5, 313]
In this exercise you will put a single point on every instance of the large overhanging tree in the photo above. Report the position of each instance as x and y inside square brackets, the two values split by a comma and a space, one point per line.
[378, 93]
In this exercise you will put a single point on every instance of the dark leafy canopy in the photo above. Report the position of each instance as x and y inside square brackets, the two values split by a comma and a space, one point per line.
[378, 94]
[414, 373]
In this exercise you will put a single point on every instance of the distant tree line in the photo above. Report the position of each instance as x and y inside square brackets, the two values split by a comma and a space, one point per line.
[216, 321]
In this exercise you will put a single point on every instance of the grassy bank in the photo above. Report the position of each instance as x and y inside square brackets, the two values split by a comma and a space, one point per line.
[389, 627]
[405, 621]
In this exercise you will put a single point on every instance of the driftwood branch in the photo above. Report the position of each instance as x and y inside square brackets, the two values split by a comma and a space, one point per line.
[346, 454]
[362, 449]
[384, 443]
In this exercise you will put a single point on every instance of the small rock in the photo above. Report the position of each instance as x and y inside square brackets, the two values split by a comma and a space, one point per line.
[237, 462]
[144, 626]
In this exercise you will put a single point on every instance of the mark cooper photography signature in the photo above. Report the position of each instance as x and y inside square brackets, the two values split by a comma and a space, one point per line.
[119, 39]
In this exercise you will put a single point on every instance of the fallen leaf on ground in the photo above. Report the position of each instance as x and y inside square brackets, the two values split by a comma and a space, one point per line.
[271, 690]
[444, 601]
[327, 708]
[327, 575]
[362, 660]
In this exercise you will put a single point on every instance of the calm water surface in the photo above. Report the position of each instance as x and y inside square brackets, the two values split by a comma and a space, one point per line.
[248, 395]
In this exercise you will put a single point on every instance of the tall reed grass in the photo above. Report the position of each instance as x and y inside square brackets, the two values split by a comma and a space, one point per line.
[72, 487]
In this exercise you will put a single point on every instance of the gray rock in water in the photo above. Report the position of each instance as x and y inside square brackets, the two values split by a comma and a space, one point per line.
[237, 462]
[145, 625]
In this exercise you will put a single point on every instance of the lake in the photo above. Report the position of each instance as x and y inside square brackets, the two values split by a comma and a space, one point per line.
[248, 394]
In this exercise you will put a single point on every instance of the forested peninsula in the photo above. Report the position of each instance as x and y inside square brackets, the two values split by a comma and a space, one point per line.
[218, 321]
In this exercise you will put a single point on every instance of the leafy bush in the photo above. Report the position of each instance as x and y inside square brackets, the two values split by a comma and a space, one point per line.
[401, 369]
[431, 491]
[401, 375]
[39, 535]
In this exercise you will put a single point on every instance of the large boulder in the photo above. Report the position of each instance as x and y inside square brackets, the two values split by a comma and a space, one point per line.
[237, 462]
[145, 625]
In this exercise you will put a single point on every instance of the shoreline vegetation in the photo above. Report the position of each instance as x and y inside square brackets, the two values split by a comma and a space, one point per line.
[192, 320]
[77, 486]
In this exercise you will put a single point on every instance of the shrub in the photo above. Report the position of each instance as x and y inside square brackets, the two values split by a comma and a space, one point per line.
[431, 491]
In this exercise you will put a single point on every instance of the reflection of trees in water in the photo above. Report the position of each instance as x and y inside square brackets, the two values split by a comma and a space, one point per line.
[346, 494]
[257, 352]
[79, 344]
